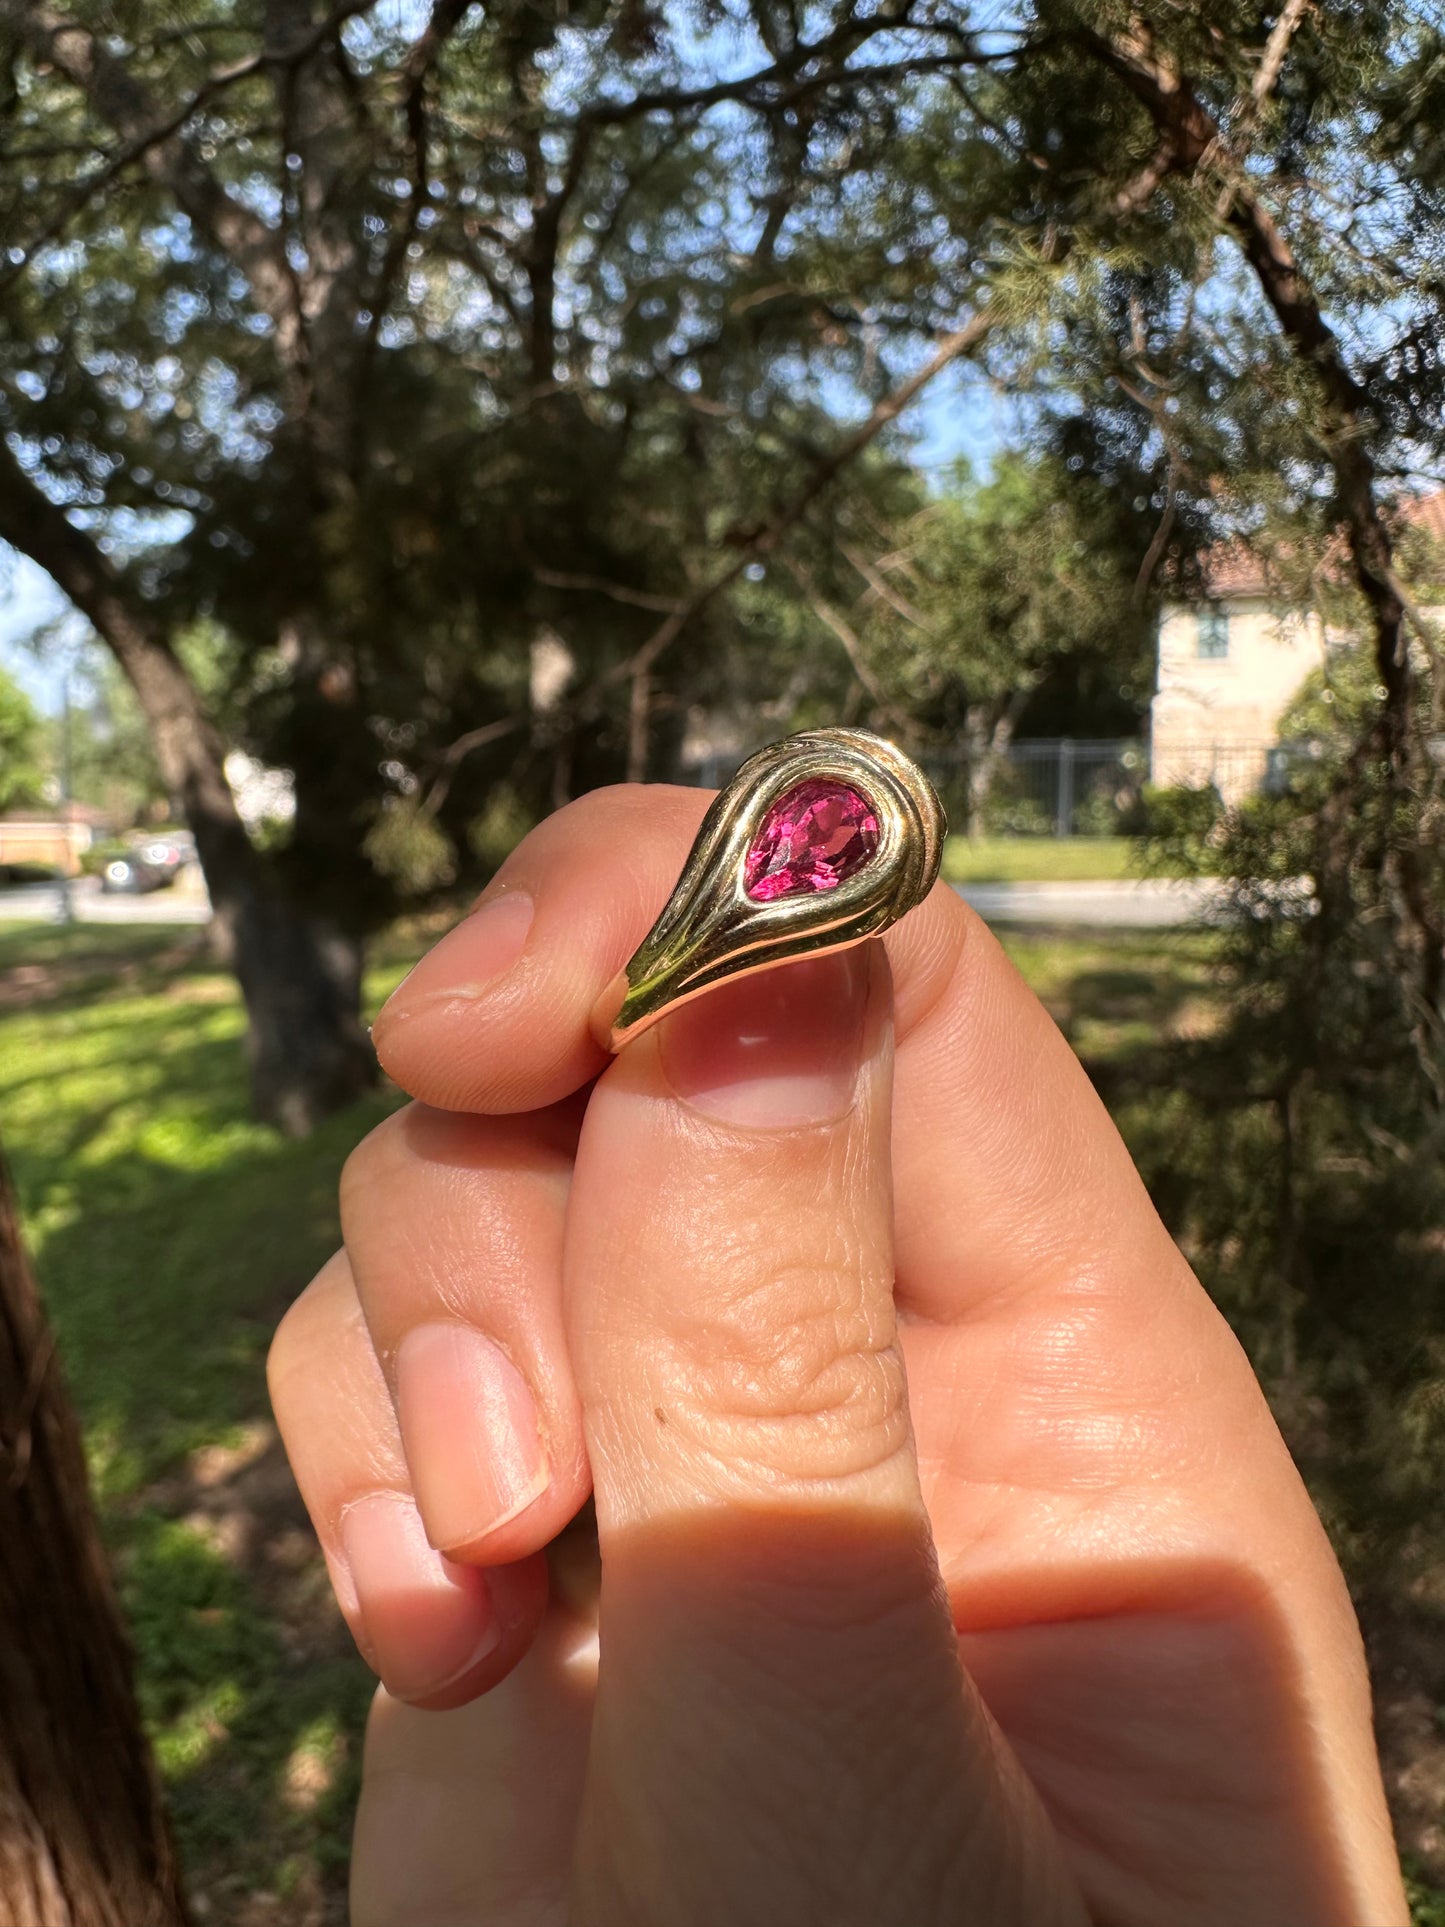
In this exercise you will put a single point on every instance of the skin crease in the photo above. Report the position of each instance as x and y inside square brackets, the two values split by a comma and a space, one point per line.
[1162, 1711]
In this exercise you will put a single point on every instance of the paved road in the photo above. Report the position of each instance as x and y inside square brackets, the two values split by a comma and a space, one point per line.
[1139, 904]
[40, 903]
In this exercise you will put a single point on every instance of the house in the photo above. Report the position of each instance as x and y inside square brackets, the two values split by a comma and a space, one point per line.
[49, 839]
[1231, 659]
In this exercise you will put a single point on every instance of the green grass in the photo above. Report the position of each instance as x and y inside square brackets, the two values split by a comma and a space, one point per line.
[170, 1231]
[1039, 859]
[1119, 995]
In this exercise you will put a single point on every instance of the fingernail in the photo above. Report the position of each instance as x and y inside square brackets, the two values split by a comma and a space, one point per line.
[427, 1621]
[469, 958]
[469, 1425]
[777, 1050]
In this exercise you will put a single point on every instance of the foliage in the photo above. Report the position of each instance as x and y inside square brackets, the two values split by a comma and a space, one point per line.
[1303, 1150]
[21, 772]
[111, 760]
[1336, 705]
[1178, 821]
[1009, 807]
[410, 354]
[413, 350]
[1427, 1902]
[998, 585]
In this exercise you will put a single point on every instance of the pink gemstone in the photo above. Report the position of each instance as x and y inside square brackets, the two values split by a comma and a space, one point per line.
[812, 838]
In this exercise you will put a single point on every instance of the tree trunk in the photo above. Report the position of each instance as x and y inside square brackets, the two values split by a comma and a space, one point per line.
[988, 733]
[83, 1835]
[300, 976]
[301, 979]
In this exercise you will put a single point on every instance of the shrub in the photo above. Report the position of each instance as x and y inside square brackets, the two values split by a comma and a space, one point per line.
[1298, 1159]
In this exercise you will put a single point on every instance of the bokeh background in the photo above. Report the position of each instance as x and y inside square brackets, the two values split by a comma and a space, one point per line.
[415, 414]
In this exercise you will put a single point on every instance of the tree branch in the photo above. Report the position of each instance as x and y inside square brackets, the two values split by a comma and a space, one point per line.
[852, 643]
[155, 140]
[600, 585]
[883, 588]
[1349, 419]
[446, 17]
[788, 82]
[454, 753]
[1195, 138]
[765, 539]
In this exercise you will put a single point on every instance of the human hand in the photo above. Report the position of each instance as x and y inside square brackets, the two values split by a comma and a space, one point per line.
[697, 1289]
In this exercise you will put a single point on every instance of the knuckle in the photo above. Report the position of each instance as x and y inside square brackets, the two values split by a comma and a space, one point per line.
[280, 1352]
[795, 1375]
[370, 1163]
[291, 1344]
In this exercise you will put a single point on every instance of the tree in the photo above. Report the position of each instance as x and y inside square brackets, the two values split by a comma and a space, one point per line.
[999, 586]
[414, 351]
[85, 1839]
[1295, 377]
[21, 775]
[401, 350]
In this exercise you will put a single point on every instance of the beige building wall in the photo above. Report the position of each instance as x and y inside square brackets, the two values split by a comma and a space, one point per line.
[45, 841]
[1214, 718]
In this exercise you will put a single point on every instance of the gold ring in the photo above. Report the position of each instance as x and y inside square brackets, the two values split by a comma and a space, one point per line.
[819, 841]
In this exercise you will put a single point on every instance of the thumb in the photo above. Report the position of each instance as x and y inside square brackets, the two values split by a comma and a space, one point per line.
[783, 1729]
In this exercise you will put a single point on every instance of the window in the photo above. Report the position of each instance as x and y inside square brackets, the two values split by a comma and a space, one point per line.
[1212, 634]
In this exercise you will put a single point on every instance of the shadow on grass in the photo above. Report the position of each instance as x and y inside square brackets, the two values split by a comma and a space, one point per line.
[165, 1290]
[169, 1232]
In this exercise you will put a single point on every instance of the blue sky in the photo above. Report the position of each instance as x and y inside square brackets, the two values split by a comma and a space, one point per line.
[27, 598]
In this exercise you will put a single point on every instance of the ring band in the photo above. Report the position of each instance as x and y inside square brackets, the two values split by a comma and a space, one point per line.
[820, 841]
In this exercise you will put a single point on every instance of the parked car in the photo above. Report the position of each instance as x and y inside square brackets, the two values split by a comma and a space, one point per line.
[131, 876]
[167, 852]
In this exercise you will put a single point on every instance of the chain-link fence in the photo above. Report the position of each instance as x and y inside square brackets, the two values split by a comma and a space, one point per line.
[1056, 786]
[1067, 785]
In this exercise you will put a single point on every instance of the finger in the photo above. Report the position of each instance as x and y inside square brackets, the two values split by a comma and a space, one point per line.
[1087, 1424]
[470, 1815]
[494, 1018]
[780, 1679]
[1074, 1365]
[437, 1633]
[1027, 1170]
[453, 1229]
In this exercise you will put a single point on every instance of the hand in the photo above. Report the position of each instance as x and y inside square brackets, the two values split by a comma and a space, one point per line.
[697, 1288]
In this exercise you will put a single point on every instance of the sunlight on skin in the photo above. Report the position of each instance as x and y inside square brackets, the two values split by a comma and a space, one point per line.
[1144, 1599]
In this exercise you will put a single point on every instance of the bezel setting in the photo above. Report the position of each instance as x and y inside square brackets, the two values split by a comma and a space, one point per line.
[710, 929]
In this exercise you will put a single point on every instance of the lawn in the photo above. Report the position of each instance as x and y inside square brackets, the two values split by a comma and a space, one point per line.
[1040, 859]
[169, 1232]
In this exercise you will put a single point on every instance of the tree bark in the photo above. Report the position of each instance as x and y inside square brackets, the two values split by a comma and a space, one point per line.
[83, 1834]
[300, 975]
[989, 732]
